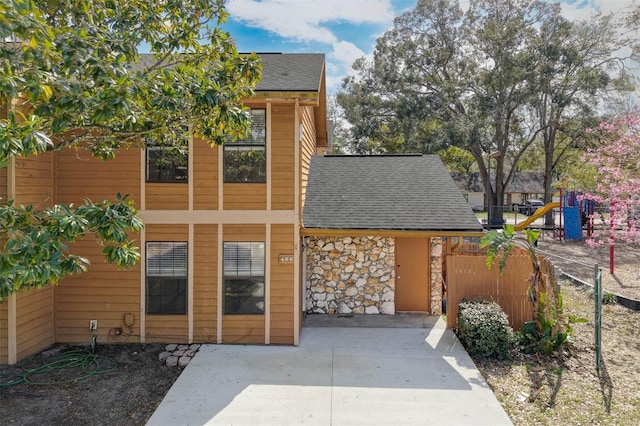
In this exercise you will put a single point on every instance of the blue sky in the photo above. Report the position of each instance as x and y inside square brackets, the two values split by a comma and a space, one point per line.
[344, 30]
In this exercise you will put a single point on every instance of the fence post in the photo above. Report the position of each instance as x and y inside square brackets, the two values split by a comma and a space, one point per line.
[598, 315]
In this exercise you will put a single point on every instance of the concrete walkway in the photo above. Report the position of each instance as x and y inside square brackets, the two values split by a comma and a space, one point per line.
[347, 375]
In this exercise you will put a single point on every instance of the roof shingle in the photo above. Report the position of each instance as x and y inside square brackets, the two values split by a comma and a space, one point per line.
[282, 72]
[394, 192]
[291, 72]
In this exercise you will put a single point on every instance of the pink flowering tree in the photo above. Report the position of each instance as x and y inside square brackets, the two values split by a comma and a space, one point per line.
[617, 159]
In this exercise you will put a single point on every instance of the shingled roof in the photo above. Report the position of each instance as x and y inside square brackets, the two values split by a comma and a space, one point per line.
[282, 72]
[291, 72]
[392, 192]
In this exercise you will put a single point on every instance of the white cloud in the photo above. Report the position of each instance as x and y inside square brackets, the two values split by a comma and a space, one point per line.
[585, 9]
[310, 21]
[340, 60]
[305, 20]
[344, 53]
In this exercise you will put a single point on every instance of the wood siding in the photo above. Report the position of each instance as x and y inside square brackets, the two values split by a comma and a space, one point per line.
[205, 176]
[307, 149]
[79, 176]
[166, 328]
[243, 328]
[282, 300]
[4, 332]
[4, 193]
[102, 293]
[205, 287]
[34, 180]
[245, 196]
[4, 316]
[283, 134]
[166, 196]
[34, 321]
[468, 277]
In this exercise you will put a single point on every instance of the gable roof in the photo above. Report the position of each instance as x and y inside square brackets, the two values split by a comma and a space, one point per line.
[291, 72]
[282, 72]
[393, 192]
[522, 182]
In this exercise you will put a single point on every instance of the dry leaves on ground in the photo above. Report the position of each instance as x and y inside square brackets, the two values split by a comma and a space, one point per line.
[566, 389]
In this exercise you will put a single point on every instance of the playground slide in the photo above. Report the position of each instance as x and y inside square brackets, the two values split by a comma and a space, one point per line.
[537, 214]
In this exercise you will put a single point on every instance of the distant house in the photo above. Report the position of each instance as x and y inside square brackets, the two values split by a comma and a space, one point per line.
[524, 186]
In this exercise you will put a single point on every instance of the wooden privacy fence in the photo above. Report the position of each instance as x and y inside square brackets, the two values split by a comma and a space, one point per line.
[468, 277]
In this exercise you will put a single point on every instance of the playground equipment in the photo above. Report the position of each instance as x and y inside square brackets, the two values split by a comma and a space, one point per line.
[536, 215]
[575, 213]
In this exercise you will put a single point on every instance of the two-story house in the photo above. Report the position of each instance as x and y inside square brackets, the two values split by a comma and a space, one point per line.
[232, 250]
[220, 252]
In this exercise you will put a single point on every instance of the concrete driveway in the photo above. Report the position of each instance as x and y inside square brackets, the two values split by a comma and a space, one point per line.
[337, 376]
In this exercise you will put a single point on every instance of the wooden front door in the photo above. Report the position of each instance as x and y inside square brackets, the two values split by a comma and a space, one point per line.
[412, 274]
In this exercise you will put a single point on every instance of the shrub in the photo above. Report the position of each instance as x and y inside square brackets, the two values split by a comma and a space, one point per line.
[609, 298]
[484, 330]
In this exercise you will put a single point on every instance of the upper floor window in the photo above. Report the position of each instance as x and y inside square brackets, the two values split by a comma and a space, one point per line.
[167, 163]
[245, 159]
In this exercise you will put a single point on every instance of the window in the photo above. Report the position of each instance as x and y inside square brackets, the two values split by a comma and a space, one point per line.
[245, 159]
[167, 162]
[244, 278]
[166, 277]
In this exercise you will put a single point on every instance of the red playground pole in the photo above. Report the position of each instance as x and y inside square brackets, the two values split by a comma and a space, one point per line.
[611, 241]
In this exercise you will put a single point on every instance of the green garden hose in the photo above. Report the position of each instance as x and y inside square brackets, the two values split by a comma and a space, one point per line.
[85, 363]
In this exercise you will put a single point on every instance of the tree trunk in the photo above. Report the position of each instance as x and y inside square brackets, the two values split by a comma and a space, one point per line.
[549, 148]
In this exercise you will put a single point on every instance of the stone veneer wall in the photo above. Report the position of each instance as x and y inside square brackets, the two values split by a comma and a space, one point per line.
[437, 264]
[350, 275]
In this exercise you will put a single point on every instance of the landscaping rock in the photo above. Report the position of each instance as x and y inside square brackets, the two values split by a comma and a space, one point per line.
[164, 355]
[172, 361]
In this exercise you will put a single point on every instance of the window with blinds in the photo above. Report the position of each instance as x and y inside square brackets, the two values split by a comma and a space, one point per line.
[166, 276]
[245, 159]
[243, 266]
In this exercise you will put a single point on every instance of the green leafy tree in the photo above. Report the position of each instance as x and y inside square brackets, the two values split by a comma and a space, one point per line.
[71, 77]
[577, 75]
[491, 80]
[457, 159]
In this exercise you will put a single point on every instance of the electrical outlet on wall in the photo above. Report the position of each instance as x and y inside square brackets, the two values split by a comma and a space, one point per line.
[93, 325]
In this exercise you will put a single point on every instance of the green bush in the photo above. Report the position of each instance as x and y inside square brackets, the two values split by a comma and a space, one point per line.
[484, 330]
